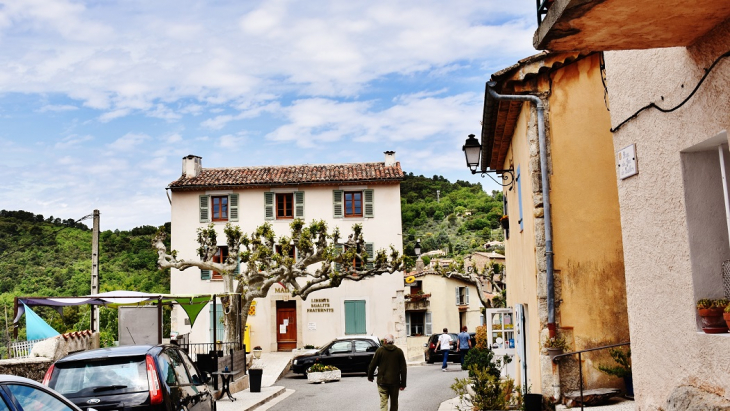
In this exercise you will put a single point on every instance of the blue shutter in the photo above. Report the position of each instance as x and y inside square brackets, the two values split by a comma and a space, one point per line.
[233, 207]
[369, 199]
[339, 212]
[205, 274]
[220, 327]
[355, 317]
[519, 197]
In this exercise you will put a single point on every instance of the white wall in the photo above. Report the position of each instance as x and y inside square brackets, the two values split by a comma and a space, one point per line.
[383, 295]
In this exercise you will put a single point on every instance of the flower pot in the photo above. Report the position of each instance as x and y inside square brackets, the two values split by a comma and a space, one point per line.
[552, 352]
[504, 223]
[726, 317]
[712, 320]
[256, 354]
[324, 376]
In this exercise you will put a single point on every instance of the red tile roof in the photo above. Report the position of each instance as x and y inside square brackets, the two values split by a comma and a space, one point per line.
[286, 175]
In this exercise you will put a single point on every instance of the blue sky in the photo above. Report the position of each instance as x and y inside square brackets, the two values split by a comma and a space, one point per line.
[100, 100]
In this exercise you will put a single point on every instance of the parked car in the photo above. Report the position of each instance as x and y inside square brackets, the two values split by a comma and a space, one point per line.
[140, 377]
[22, 394]
[348, 354]
[432, 350]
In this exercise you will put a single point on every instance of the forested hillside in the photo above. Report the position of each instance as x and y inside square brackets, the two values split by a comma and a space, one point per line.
[456, 217]
[52, 257]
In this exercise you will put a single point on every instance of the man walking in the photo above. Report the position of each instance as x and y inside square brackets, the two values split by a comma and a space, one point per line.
[445, 346]
[391, 365]
[464, 344]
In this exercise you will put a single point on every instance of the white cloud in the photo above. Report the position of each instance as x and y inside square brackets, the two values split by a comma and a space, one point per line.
[231, 142]
[57, 108]
[128, 142]
[72, 140]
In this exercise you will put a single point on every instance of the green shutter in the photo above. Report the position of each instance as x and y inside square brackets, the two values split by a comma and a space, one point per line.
[233, 207]
[205, 274]
[370, 249]
[355, 317]
[204, 213]
[269, 206]
[299, 204]
[368, 196]
[220, 327]
[339, 212]
[338, 250]
[237, 270]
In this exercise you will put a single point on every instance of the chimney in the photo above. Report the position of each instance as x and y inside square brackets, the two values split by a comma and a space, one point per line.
[389, 158]
[192, 166]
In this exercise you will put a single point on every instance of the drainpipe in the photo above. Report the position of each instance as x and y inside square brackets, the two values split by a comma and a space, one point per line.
[545, 195]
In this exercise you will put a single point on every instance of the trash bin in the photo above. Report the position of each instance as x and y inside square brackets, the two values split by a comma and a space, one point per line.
[254, 379]
[533, 402]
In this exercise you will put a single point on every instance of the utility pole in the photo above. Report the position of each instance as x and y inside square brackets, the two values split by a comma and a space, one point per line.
[95, 271]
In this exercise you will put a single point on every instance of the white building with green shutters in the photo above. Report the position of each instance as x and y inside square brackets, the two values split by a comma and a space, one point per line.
[340, 194]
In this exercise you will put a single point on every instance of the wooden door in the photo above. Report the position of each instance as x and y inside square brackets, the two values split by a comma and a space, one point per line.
[286, 325]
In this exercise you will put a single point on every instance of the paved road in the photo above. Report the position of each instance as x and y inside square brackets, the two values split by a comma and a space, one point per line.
[427, 387]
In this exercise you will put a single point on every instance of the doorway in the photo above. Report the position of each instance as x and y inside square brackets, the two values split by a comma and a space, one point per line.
[286, 325]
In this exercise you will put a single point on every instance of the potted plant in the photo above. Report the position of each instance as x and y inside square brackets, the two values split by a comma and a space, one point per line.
[555, 345]
[622, 369]
[711, 315]
[257, 352]
[726, 315]
[320, 373]
[504, 222]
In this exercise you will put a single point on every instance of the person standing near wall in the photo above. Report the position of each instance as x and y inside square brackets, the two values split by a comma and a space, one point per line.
[391, 365]
[445, 345]
[463, 344]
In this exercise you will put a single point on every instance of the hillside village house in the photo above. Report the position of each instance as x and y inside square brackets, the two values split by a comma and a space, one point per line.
[671, 166]
[340, 194]
[589, 294]
[435, 302]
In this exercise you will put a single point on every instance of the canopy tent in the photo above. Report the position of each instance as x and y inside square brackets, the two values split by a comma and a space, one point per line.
[191, 304]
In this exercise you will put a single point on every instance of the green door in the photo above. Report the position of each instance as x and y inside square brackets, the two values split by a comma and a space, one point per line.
[355, 317]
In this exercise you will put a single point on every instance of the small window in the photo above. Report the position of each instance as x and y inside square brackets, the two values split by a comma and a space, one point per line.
[416, 323]
[220, 208]
[341, 347]
[219, 257]
[416, 287]
[285, 206]
[292, 251]
[462, 295]
[353, 203]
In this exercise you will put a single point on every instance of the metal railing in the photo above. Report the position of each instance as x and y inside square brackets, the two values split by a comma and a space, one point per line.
[580, 362]
[21, 349]
[193, 349]
[542, 9]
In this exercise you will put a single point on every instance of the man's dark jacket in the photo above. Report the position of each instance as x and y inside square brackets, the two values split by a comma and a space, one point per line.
[391, 365]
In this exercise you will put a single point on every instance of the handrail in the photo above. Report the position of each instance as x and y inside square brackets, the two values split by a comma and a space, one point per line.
[580, 362]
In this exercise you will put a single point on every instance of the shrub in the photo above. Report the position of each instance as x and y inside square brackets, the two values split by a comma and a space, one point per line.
[319, 367]
[623, 359]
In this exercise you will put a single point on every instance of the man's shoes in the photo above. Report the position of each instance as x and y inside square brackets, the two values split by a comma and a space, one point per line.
[443, 369]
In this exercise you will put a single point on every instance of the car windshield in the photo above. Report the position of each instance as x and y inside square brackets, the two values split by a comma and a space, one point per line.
[99, 377]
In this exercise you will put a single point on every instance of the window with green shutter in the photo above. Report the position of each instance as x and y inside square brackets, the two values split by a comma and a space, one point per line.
[337, 195]
[269, 199]
[204, 210]
[355, 318]
[205, 274]
[233, 207]
[370, 249]
[220, 331]
[339, 248]
[299, 204]
[369, 200]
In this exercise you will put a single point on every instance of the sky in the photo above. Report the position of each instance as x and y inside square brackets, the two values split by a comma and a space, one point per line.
[100, 100]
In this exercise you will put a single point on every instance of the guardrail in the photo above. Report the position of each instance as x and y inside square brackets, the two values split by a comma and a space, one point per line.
[580, 362]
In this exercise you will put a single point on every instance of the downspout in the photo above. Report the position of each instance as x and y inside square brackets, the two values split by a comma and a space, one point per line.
[550, 280]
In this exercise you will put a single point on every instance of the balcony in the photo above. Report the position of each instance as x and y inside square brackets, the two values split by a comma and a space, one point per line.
[581, 25]
[417, 302]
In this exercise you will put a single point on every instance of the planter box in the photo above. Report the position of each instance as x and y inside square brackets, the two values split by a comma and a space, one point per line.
[322, 377]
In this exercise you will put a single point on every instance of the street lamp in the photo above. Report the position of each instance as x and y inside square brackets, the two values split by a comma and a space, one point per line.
[472, 150]
[417, 248]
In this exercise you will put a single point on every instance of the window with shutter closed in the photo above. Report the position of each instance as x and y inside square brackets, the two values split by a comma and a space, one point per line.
[233, 207]
[204, 210]
[337, 203]
[269, 206]
[299, 204]
[370, 249]
[369, 197]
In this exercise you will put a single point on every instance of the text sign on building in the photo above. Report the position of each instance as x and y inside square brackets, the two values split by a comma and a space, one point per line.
[626, 159]
[320, 305]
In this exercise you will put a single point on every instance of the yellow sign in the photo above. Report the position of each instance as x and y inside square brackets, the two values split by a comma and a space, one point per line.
[252, 308]
[410, 279]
